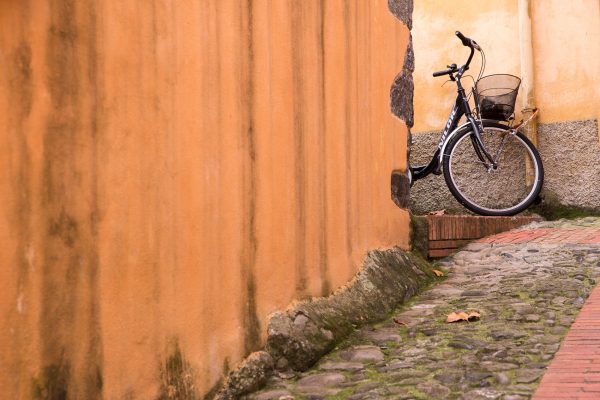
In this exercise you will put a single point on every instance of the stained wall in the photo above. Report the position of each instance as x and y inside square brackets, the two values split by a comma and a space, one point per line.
[172, 172]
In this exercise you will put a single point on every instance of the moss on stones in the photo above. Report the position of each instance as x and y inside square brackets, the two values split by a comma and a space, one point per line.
[551, 209]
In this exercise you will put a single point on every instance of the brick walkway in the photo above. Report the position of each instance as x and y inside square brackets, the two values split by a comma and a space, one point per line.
[575, 371]
[589, 235]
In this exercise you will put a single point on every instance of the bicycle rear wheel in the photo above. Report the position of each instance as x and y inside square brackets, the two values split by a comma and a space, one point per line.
[505, 190]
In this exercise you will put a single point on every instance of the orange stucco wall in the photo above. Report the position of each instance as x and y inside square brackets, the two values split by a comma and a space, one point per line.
[172, 172]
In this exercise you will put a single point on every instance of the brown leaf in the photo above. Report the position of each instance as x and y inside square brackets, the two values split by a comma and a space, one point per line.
[457, 317]
[463, 316]
[437, 273]
[400, 322]
[474, 316]
[438, 213]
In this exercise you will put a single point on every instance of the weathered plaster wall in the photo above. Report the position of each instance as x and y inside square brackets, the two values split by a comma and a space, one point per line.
[172, 172]
[565, 50]
[572, 162]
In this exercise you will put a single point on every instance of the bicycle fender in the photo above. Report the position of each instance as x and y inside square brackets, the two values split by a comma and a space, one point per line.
[443, 148]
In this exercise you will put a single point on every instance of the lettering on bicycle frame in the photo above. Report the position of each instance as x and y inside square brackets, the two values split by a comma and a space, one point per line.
[449, 124]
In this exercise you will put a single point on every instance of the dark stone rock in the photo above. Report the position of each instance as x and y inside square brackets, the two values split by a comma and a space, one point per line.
[500, 354]
[473, 293]
[273, 395]
[401, 97]
[558, 330]
[366, 387]
[358, 376]
[532, 318]
[402, 9]
[500, 335]
[363, 354]
[342, 366]
[460, 345]
[496, 366]
[400, 190]
[448, 377]
[249, 376]
[477, 376]
[482, 394]
[502, 378]
[528, 375]
[410, 381]
[396, 365]
[429, 331]
[383, 336]
[434, 390]
[559, 300]
[409, 59]
[327, 379]
[550, 339]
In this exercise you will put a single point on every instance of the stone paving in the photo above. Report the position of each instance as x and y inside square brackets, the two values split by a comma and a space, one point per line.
[528, 285]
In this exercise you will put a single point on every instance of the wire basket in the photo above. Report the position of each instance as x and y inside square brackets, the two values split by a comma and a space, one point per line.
[496, 95]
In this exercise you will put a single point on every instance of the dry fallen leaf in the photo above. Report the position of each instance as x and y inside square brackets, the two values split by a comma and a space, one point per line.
[400, 322]
[440, 212]
[474, 316]
[456, 317]
[438, 273]
[463, 316]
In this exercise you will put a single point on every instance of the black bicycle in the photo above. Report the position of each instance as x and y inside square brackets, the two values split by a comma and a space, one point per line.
[489, 166]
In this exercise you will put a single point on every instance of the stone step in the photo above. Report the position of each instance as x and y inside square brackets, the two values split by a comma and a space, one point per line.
[438, 236]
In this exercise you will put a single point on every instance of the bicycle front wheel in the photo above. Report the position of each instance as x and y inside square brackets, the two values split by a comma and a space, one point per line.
[509, 188]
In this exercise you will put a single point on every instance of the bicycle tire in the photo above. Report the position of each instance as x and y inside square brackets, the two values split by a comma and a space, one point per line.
[496, 192]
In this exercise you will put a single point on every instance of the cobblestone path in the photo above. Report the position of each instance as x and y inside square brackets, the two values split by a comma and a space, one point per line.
[528, 285]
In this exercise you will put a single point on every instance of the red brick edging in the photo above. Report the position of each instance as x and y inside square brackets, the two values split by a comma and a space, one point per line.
[587, 235]
[574, 373]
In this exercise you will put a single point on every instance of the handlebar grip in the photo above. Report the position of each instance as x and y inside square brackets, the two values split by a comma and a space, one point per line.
[441, 73]
[465, 40]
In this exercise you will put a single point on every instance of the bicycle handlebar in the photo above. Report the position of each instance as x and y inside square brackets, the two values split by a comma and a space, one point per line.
[465, 40]
[451, 69]
[470, 43]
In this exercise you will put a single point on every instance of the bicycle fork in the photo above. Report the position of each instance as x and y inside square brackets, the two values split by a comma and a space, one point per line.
[484, 156]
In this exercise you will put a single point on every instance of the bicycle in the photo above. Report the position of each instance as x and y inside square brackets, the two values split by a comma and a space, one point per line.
[489, 166]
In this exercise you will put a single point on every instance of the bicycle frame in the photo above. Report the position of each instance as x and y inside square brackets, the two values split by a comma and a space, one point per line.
[461, 108]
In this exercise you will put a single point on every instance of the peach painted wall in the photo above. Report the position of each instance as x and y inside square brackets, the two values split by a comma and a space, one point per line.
[566, 52]
[172, 172]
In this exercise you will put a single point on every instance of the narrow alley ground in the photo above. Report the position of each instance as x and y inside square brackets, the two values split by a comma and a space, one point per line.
[528, 285]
